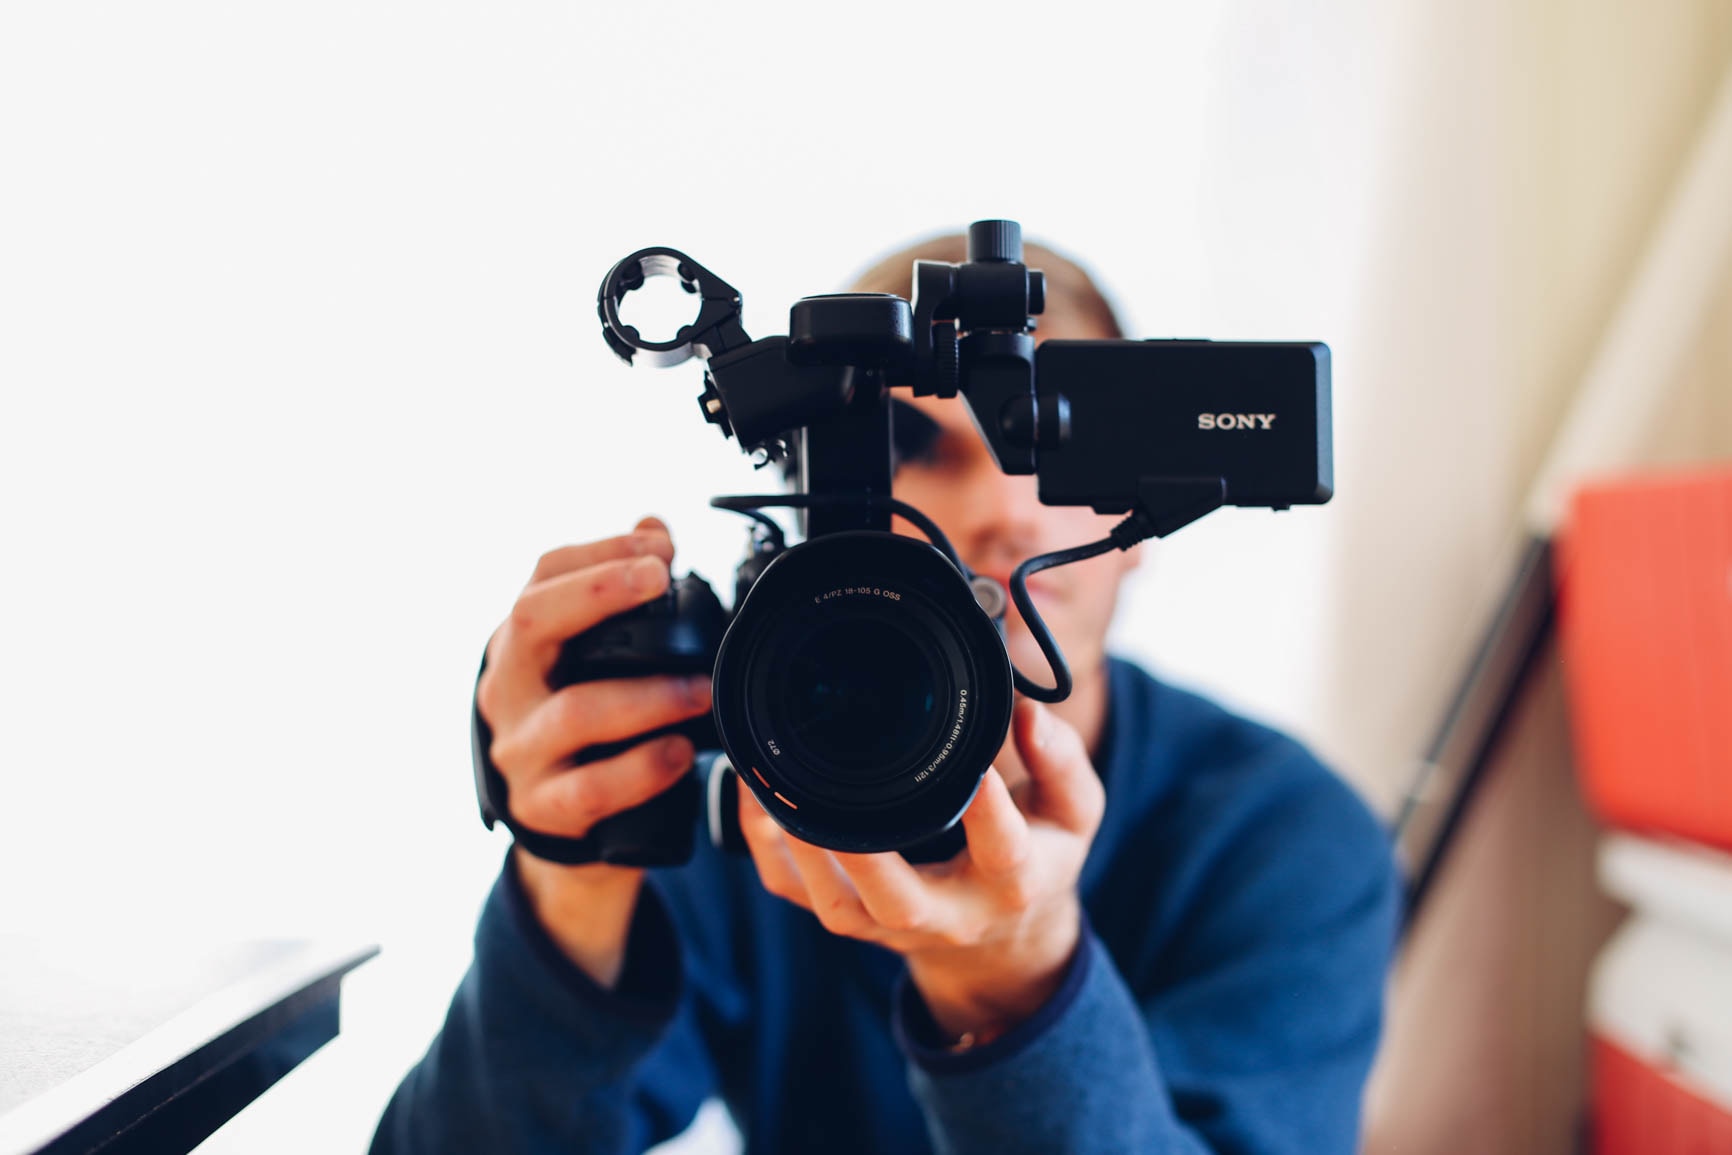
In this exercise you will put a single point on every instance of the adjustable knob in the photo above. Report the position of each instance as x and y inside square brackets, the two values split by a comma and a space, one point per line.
[1028, 423]
[945, 358]
[995, 241]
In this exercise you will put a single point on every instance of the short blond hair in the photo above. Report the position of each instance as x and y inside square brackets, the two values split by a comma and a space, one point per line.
[1069, 287]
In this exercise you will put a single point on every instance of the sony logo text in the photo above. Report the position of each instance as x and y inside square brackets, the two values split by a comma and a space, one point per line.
[1235, 420]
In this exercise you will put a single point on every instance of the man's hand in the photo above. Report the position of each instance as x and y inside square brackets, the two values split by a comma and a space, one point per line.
[988, 934]
[536, 730]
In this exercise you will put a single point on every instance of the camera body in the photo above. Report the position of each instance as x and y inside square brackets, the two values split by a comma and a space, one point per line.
[861, 682]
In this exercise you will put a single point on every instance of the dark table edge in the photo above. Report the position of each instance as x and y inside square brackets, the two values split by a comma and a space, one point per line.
[185, 1078]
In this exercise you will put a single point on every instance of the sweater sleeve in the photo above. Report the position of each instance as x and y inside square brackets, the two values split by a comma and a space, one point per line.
[534, 1056]
[1249, 1030]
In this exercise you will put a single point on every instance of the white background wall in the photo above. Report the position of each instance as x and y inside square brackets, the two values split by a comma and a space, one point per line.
[299, 372]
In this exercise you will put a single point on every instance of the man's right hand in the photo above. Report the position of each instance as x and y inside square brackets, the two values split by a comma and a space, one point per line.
[587, 909]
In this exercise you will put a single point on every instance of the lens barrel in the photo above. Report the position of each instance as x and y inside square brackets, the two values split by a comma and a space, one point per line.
[861, 693]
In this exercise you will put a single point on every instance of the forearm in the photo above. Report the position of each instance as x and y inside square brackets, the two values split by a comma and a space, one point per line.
[983, 992]
[534, 1054]
[585, 910]
[1078, 1076]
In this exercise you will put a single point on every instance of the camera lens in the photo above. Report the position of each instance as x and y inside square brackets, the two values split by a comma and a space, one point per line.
[861, 692]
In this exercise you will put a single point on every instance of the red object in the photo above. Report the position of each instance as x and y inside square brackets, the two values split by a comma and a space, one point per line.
[1638, 1110]
[1645, 602]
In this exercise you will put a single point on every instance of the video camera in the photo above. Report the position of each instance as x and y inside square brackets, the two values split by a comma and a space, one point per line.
[861, 682]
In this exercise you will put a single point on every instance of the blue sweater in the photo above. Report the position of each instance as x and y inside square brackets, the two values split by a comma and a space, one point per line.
[1240, 912]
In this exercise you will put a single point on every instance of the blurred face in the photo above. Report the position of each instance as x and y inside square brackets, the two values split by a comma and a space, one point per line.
[996, 521]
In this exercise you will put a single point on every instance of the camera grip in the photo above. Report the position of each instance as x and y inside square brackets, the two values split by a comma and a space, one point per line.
[675, 634]
[659, 832]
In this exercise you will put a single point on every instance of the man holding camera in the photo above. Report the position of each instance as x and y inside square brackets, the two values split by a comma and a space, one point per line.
[1168, 931]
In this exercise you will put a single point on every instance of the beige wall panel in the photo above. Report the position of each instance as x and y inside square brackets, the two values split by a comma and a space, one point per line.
[1534, 154]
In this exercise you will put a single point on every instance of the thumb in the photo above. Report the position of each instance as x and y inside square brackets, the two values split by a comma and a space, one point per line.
[1066, 789]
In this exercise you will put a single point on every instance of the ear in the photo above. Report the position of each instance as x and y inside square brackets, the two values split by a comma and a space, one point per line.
[1130, 559]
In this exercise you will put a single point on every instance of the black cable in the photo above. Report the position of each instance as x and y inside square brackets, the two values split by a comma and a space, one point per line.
[748, 504]
[1133, 529]
[1129, 532]
[770, 525]
[1060, 689]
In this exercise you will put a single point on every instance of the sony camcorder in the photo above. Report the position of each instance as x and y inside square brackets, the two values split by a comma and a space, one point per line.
[861, 681]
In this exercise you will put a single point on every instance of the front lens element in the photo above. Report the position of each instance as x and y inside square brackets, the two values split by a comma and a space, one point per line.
[861, 699]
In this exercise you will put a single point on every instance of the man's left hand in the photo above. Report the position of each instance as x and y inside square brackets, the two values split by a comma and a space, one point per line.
[987, 935]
